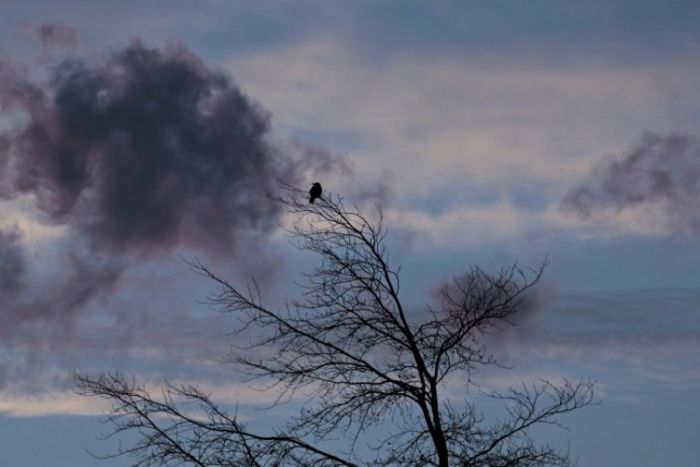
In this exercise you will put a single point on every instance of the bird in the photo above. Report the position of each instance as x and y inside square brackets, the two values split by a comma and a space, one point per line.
[315, 192]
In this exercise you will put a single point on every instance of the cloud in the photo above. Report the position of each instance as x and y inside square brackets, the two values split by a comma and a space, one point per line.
[474, 290]
[661, 176]
[65, 401]
[12, 262]
[463, 225]
[456, 123]
[50, 403]
[54, 35]
[145, 149]
[40, 312]
[114, 162]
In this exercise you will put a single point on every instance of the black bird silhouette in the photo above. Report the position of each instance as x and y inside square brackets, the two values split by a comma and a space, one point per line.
[315, 192]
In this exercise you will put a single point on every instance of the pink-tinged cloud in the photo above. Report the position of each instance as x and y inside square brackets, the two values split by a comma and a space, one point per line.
[146, 149]
[662, 170]
[54, 35]
[135, 153]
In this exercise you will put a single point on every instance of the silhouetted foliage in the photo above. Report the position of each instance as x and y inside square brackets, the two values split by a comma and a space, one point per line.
[352, 344]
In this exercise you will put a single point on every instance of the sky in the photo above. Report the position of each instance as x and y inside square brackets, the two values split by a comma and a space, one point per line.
[490, 132]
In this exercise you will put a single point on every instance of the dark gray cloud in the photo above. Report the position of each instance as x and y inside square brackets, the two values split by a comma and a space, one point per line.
[661, 169]
[54, 35]
[137, 152]
[146, 149]
[42, 312]
[12, 262]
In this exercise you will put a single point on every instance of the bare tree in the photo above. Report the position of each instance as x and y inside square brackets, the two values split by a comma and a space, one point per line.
[364, 359]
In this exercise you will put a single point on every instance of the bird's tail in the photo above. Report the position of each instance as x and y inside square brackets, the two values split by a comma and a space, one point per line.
[311, 199]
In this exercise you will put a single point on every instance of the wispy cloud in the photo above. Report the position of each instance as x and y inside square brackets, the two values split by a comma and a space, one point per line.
[55, 35]
[50, 403]
[659, 179]
[454, 118]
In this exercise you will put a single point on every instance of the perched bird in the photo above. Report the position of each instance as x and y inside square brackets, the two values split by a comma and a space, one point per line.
[315, 192]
